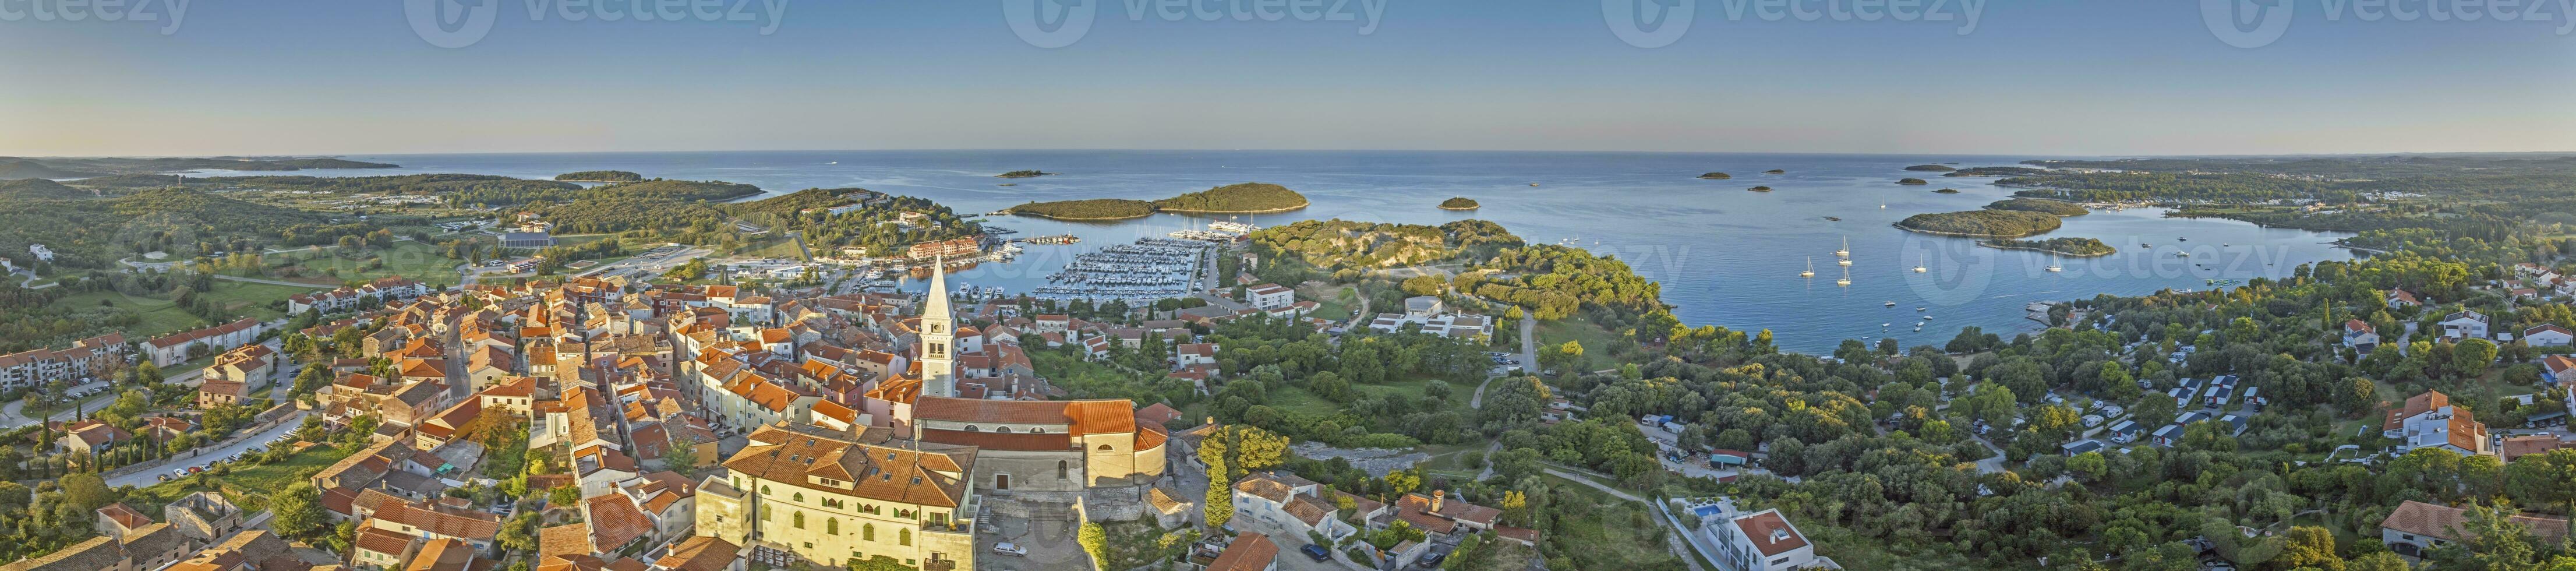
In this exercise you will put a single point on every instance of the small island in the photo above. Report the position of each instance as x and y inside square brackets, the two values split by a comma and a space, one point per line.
[2077, 247]
[1459, 203]
[1246, 198]
[1911, 181]
[1086, 209]
[1930, 168]
[2040, 205]
[1024, 174]
[600, 176]
[1946, 191]
[1982, 223]
[1716, 176]
[1760, 189]
[1774, 171]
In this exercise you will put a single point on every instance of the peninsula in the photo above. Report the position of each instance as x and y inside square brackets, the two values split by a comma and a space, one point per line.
[1459, 203]
[2076, 247]
[1245, 198]
[600, 176]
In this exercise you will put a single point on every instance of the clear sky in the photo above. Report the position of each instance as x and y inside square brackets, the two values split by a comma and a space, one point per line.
[2050, 77]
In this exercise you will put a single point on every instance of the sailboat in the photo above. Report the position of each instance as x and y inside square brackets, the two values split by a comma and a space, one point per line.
[2055, 268]
[1846, 249]
[1846, 278]
[1811, 268]
[1920, 269]
[1844, 261]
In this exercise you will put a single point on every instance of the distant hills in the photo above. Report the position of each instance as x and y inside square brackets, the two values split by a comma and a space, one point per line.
[21, 167]
[40, 189]
[1250, 197]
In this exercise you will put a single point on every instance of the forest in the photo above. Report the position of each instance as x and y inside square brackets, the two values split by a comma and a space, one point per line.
[1985, 223]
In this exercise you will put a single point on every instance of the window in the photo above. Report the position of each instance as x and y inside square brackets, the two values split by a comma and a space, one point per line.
[971, 428]
[867, 532]
[1062, 468]
[798, 518]
[903, 537]
[1003, 430]
[800, 496]
[764, 514]
[1104, 448]
[832, 526]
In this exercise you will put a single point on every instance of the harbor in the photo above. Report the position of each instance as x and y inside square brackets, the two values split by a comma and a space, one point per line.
[1144, 271]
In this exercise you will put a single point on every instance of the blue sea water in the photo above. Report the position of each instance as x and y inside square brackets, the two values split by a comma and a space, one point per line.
[1724, 255]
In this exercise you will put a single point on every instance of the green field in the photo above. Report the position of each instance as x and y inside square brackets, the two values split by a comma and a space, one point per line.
[1627, 532]
[162, 316]
[250, 486]
[1596, 340]
[1298, 400]
[335, 266]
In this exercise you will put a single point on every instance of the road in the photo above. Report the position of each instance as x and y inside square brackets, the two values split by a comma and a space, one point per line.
[202, 456]
[1529, 343]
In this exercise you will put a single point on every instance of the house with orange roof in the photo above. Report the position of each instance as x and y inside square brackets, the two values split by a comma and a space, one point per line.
[1048, 446]
[2415, 528]
[2430, 421]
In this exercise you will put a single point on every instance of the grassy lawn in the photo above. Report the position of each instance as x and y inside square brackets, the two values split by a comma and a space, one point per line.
[1595, 339]
[161, 315]
[1620, 534]
[1297, 399]
[249, 487]
[1334, 303]
[333, 266]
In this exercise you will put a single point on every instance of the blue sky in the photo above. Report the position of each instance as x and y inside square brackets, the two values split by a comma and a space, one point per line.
[2033, 77]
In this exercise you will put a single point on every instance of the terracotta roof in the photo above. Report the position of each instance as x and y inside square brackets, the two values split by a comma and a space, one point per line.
[2418, 404]
[614, 520]
[1080, 417]
[2519, 446]
[566, 539]
[927, 476]
[1763, 531]
[442, 554]
[1158, 413]
[2446, 522]
[1261, 485]
[382, 541]
[124, 517]
[699, 553]
[1249, 552]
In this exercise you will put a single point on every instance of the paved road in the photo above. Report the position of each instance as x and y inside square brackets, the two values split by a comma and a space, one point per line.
[1529, 343]
[202, 456]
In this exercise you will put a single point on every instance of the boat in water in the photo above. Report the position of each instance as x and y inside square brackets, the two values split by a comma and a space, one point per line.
[1891, 303]
[2055, 268]
[1811, 268]
[1921, 269]
[1918, 309]
[1846, 249]
[1846, 280]
[1844, 261]
[1833, 219]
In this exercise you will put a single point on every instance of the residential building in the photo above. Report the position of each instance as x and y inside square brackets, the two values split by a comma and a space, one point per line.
[1249, 552]
[829, 497]
[2465, 324]
[1757, 541]
[1270, 296]
[2429, 420]
[2416, 527]
[2360, 335]
[2548, 335]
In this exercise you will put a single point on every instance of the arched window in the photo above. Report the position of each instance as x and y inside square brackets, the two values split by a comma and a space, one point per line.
[1062, 468]
[800, 496]
[832, 526]
[798, 518]
[765, 515]
[903, 537]
[764, 489]
[971, 428]
[1104, 448]
[1004, 430]
[1038, 430]
[867, 532]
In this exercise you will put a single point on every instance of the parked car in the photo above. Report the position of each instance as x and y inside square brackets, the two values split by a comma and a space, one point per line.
[196, 469]
[1007, 548]
[1316, 552]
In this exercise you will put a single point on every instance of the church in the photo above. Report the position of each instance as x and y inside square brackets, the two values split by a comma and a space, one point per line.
[1093, 451]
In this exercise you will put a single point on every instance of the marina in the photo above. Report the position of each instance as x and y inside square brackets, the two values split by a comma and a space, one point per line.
[1147, 270]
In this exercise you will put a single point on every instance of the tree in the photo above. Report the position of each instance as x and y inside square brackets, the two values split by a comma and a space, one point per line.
[2542, 479]
[1401, 482]
[2309, 547]
[298, 511]
[88, 491]
[2472, 356]
[519, 534]
[1095, 540]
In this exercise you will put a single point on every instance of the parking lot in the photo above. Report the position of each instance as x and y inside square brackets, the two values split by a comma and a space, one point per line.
[1049, 542]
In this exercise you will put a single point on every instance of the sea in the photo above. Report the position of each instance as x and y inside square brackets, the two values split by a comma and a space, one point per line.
[1723, 254]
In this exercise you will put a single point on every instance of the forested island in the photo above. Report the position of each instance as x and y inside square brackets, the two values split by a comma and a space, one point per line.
[1459, 203]
[1086, 209]
[2078, 247]
[16, 167]
[1982, 223]
[600, 176]
[1716, 176]
[1760, 189]
[1931, 168]
[1245, 198]
[1024, 174]
[2040, 205]
[1911, 181]
[1947, 191]
[1774, 171]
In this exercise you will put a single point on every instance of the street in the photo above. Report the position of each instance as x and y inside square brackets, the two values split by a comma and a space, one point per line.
[202, 456]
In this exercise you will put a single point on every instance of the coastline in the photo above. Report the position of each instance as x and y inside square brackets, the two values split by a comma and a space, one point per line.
[1464, 208]
[2054, 252]
[1273, 210]
[1901, 226]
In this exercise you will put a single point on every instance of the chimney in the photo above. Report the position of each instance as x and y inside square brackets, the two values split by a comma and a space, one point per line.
[1436, 495]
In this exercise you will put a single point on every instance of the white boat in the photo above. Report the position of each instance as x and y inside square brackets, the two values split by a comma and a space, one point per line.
[1884, 325]
[1846, 280]
[1844, 261]
[1918, 309]
[1846, 250]
[2054, 268]
[1811, 268]
[1921, 269]
[1891, 303]
[833, 163]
